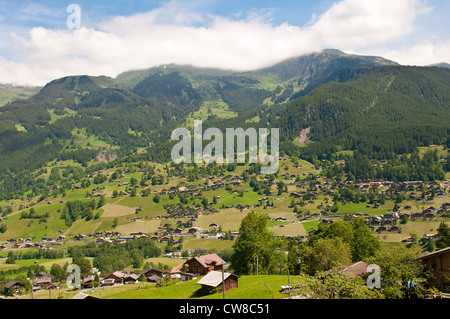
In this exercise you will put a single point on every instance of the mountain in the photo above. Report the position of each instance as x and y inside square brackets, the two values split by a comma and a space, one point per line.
[441, 65]
[10, 93]
[377, 111]
[320, 64]
[347, 101]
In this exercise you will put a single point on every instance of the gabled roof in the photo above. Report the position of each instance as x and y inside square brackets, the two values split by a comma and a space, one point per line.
[146, 270]
[118, 274]
[207, 260]
[214, 278]
[12, 283]
[357, 268]
[437, 252]
[83, 296]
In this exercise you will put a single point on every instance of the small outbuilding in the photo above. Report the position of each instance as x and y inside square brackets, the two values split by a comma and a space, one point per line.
[216, 279]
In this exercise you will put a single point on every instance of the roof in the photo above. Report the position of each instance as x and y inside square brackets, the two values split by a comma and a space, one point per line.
[146, 270]
[118, 274]
[12, 283]
[437, 252]
[214, 278]
[154, 278]
[83, 296]
[357, 268]
[132, 276]
[176, 269]
[207, 260]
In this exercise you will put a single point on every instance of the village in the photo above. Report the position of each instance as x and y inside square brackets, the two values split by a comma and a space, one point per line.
[294, 200]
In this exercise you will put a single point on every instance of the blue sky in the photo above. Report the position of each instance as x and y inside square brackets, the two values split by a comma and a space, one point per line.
[37, 46]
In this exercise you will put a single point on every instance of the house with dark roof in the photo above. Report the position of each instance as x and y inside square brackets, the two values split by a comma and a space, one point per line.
[42, 279]
[438, 263]
[150, 271]
[13, 287]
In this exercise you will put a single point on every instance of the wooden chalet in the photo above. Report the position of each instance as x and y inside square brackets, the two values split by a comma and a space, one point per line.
[150, 271]
[216, 279]
[204, 264]
[438, 263]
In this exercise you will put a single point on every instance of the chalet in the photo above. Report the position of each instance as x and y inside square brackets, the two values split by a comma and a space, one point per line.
[100, 240]
[386, 222]
[130, 279]
[326, 221]
[176, 271]
[391, 216]
[108, 282]
[124, 238]
[204, 264]
[429, 215]
[407, 240]
[88, 281]
[216, 279]
[42, 279]
[193, 230]
[381, 229]
[164, 239]
[13, 287]
[150, 271]
[118, 277]
[416, 215]
[438, 263]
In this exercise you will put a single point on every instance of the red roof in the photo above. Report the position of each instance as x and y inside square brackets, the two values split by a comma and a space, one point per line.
[207, 260]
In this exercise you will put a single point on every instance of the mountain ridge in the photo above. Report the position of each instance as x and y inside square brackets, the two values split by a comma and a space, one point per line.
[140, 109]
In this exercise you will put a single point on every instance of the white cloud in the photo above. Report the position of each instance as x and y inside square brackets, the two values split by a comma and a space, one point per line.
[351, 24]
[423, 53]
[176, 34]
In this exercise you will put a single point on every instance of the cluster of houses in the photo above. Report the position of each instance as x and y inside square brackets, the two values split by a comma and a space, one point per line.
[194, 267]
[45, 242]
[42, 281]
[389, 222]
[209, 266]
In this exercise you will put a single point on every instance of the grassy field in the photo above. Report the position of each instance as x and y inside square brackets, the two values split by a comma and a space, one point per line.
[12, 93]
[216, 107]
[153, 215]
[250, 287]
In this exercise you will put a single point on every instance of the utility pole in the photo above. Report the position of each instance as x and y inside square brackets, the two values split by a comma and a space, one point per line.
[289, 284]
[223, 282]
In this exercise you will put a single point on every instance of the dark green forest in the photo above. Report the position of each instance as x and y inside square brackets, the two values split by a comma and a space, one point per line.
[378, 110]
